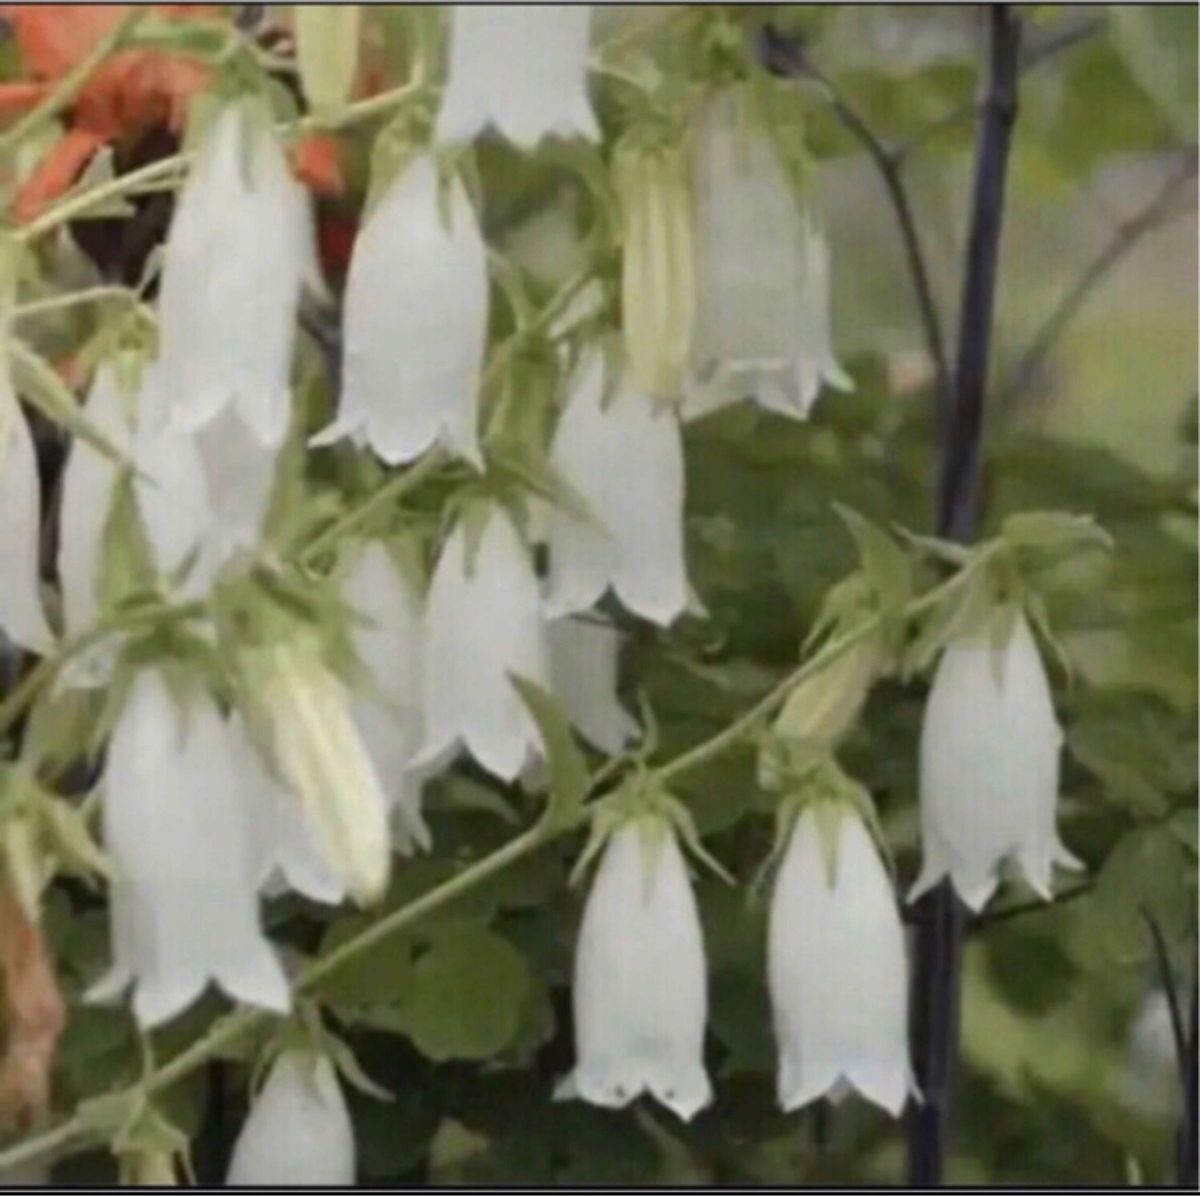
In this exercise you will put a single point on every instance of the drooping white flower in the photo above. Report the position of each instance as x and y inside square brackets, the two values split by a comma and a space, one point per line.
[415, 322]
[583, 676]
[624, 457]
[298, 1132]
[184, 907]
[286, 851]
[763, 319]
[518, 68]
[640, 996]
[89, 480]
[389, 719]
[989, 766]
[233, 266]
[837, 970]
[322, 759]
[21, 616]
[1149, 1081]
[483, 620]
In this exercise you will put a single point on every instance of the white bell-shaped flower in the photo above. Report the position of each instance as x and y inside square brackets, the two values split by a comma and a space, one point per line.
[837, 970]
[520, 69]
[483, 621]
[89, 482]
[624, 456]
[415, 323]
[990, 747]
[298, 1133]
[184, 907]
[21, 616]
[286, 851]
[389, 719]
[763, 307]
[233, 266]
[583, 676]
[640, 995]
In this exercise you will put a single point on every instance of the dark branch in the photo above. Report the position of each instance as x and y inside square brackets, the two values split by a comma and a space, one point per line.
[786, 57]
[1166, 980]
[1188, 1171]
[941, 922]
[1156, 212]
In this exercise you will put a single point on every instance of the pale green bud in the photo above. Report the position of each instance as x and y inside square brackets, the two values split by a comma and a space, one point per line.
[658, 290]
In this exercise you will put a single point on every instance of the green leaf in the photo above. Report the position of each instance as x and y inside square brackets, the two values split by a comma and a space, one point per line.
[568, 770]
[1158, 45]
[884, 561]
[466, 996]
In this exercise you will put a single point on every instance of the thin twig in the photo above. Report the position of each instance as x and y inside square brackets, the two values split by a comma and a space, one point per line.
[1188, 1165]
[1153, 214]
[984, 921]
[785, 57]
[941, 916]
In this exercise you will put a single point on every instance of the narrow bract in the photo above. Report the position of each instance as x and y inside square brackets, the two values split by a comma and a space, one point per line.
[640, 995]
[624, 458]
[837, 970]
[416, 315]
[520, 69]
[989, 768]
[298, 1132]
[183, 905]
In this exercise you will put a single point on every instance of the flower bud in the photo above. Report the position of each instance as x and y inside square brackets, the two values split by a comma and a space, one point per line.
[639, 994]
[298, 1132]
[824, 707]
[321, 756]
[658, 291]
[990, 747]
[836, 968]
[327, 52]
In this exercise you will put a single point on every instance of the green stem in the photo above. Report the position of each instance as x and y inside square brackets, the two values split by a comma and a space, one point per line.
[391, 491]
[68, 87]
[98, 294]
